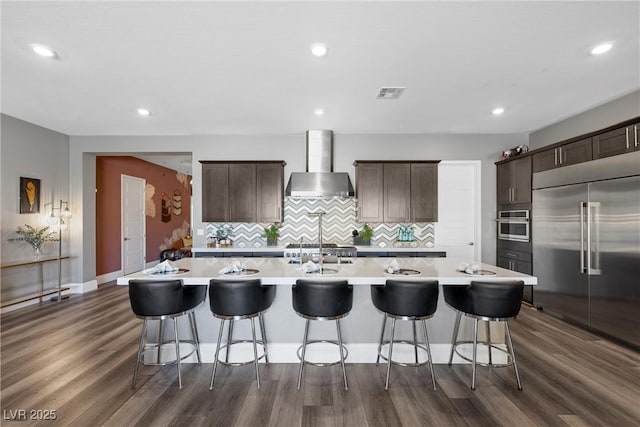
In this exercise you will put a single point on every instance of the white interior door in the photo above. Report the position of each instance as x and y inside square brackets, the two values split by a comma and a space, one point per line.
[458, 226]
[133, 224]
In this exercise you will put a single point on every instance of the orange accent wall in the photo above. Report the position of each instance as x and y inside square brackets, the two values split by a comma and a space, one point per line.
[108, 181]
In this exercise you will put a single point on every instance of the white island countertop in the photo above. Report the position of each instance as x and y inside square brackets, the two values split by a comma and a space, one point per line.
[280, 248]
[363, 271]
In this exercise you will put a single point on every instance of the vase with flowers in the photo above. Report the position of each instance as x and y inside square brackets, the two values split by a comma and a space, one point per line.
[36, 237]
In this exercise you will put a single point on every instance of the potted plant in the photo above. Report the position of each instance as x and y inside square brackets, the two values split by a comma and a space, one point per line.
[35, 237]
[364, 236]
[223, 236]
[271, 233]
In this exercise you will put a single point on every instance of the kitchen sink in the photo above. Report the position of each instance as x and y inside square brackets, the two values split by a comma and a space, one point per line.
[327, 260]
[324, 270]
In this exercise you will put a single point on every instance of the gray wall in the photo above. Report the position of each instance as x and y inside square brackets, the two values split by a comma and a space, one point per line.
[31, 151]
[290, 148]
[616, 111]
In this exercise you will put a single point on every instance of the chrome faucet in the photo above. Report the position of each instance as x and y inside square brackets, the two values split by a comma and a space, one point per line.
[319, 215]
[301, 240]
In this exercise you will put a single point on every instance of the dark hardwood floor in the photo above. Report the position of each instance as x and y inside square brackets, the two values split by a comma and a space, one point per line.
[77, 358]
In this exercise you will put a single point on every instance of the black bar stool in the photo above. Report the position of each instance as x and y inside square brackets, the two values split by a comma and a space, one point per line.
[161, 300]
[491, 302]
[406, 300]
[322, 300]
[237, 300]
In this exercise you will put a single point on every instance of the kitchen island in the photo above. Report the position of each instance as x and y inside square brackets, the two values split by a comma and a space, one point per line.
[360, 329]
[363, 251]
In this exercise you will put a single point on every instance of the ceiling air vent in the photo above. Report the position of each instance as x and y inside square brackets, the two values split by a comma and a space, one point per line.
[390, 92]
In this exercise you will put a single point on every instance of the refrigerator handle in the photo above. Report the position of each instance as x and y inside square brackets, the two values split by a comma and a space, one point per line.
[582, 267]
[626, 134]
[593, 259]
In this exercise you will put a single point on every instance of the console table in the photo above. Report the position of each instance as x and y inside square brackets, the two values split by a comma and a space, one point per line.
[41, 262]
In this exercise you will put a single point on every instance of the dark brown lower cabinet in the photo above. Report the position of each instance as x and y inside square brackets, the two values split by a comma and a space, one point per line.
[517, 261]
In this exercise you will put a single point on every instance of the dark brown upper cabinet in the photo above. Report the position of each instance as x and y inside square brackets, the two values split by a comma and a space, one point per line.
[514, 181]
[397, 191]
[242, 191]
[564, 155]
[215, 192]
[424, 192]
[617, 141]
[270, 184]
[369, 191]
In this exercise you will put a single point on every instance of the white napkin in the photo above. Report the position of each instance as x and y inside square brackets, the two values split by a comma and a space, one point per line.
[234, 267]
[310, 267]
[162, 268]
[468, 268]
[392, 267]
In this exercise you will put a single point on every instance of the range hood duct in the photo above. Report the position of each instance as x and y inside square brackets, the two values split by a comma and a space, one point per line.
[319, 180]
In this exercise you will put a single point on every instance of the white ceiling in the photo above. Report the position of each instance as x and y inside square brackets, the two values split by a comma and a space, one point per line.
[245, 67]
[180, 162]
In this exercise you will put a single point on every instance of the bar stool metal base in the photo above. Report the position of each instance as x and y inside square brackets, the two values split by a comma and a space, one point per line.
[227, 349]
[389, 359]
[323, 364]
[484, 345]
[227, 346]
[341, 347]
[413, 344]
[455, 344]
[157, 348]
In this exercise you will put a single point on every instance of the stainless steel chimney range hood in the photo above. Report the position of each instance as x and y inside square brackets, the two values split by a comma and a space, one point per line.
[319, 181]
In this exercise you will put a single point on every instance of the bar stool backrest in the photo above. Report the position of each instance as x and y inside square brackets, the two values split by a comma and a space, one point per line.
[322, 299]
[496, 299]
[236, 297]
[411, 298]
[156, 297]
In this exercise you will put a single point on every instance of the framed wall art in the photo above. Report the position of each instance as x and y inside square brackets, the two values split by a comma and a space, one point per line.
[29, 195]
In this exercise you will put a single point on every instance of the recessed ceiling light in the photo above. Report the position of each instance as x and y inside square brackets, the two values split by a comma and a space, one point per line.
[144, 112]
[497, 111]
[319, 112]
[43, 50]
[319, 49]
[601, 48]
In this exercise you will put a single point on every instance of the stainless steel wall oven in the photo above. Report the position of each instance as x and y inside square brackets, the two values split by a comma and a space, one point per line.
[514, 225]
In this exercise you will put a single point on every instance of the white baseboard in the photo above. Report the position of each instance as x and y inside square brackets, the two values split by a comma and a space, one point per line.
[24, 304]
[323, 352]
[109, 277]
[80, 288]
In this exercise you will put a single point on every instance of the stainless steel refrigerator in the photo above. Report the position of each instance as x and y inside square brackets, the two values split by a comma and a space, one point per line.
[586, 244]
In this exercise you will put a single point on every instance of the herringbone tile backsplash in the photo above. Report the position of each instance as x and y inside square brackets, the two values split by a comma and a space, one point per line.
[337, 224]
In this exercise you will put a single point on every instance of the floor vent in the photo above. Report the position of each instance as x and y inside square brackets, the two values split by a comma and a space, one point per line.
[390, 92]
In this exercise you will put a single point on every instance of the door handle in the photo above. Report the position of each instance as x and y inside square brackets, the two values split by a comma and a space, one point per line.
[635, 139]
[596, 255]
[470, 243]
[555, 157]
[126, 238]
[626, 134]
[582, 206]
